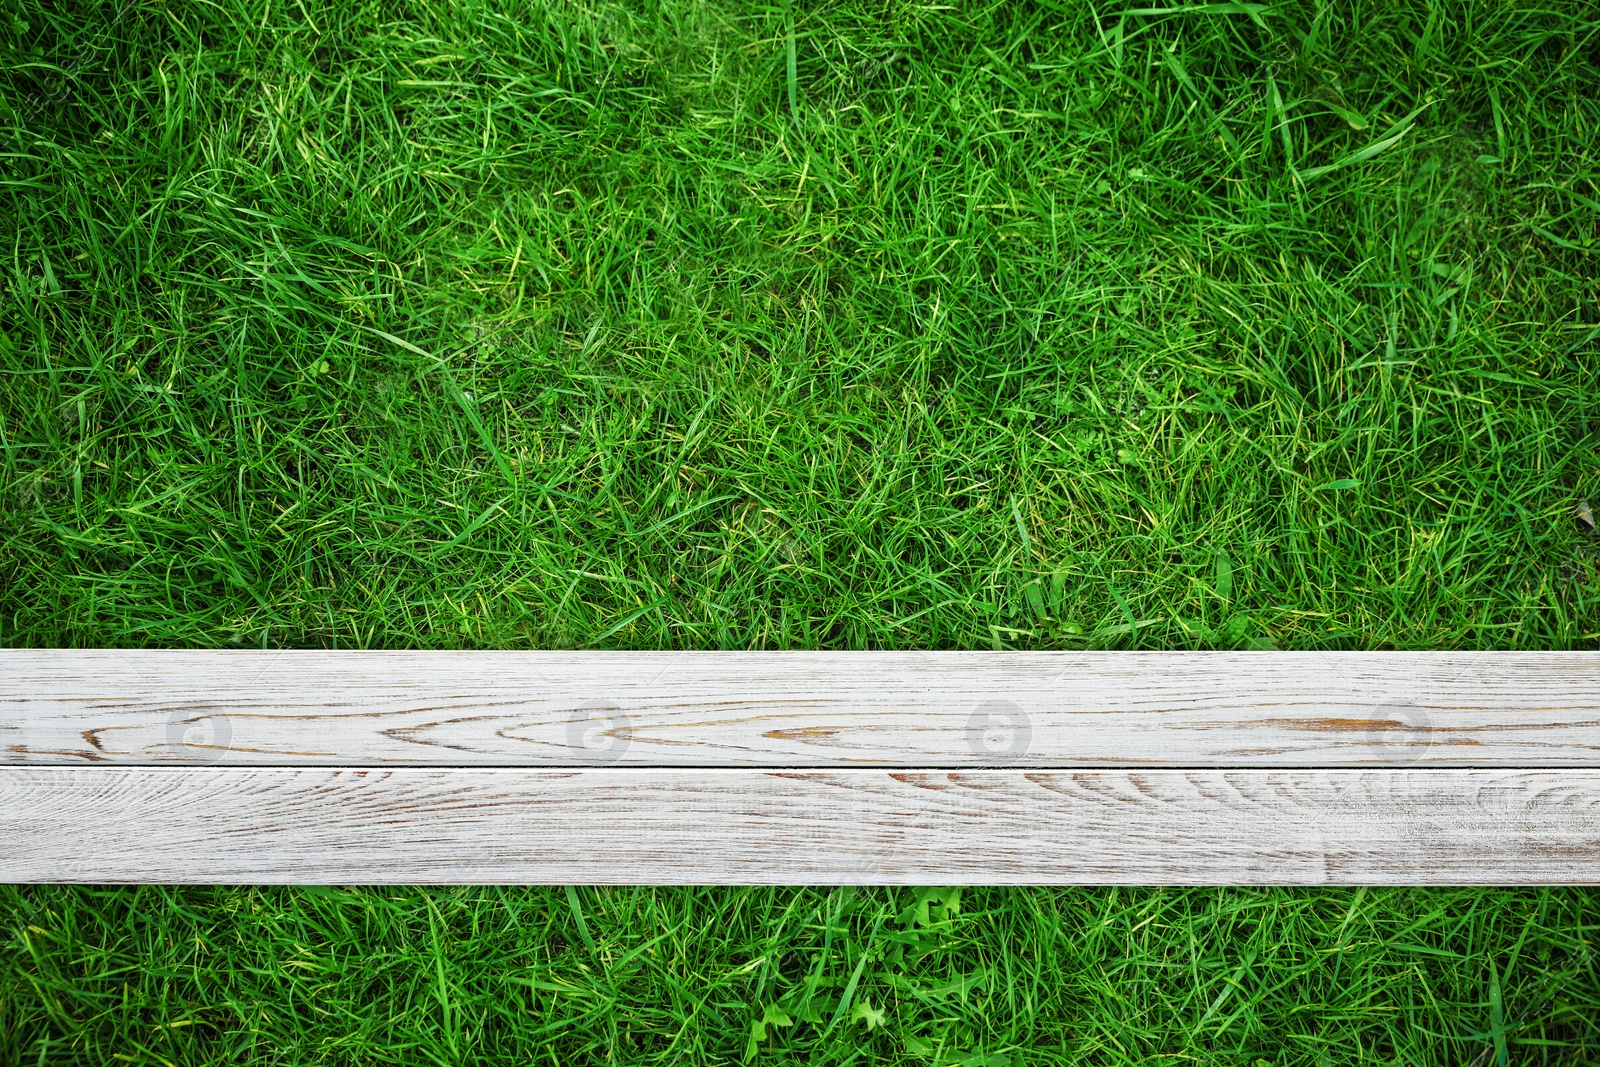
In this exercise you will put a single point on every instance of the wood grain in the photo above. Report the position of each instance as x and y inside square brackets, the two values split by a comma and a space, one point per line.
[625, 826]
[800, 709]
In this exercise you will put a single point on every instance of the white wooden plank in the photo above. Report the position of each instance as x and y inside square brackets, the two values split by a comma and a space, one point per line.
[616, 825]
[927, 709]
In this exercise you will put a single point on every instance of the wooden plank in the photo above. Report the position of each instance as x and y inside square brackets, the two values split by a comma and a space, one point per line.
[787, 709]
[618, 825]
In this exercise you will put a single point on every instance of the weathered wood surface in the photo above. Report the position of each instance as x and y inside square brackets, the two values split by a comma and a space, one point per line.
[801, 709]
[674, 825]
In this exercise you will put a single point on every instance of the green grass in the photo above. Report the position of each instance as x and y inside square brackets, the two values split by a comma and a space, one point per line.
[859, 325]
[654, 976]
[466, 324]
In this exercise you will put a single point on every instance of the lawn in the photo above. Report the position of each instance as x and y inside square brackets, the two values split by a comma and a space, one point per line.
[867, 324]
[998, 978]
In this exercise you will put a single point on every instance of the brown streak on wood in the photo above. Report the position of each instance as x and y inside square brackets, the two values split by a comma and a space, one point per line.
[803, 733]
